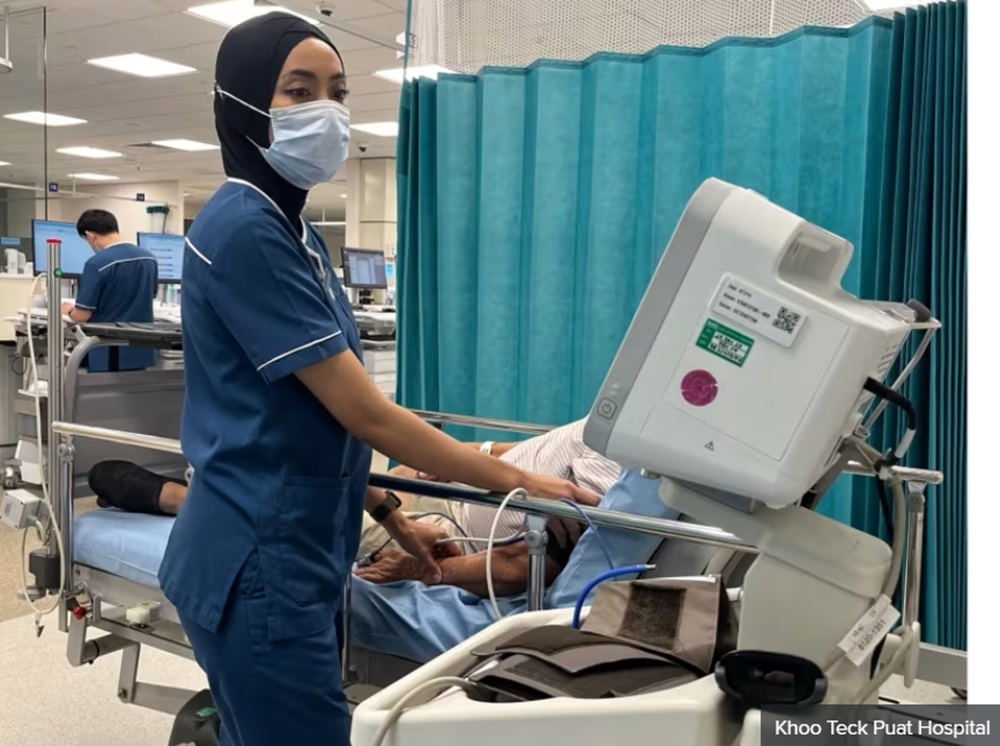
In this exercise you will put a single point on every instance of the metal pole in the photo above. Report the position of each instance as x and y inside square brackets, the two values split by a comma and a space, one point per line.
[915, 557]
[600, 517]
[152, 442]
[536, 540]
[55, 403]
[482, 422]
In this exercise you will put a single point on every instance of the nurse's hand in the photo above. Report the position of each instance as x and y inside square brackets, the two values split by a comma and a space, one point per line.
[419, 540]
[566, 532]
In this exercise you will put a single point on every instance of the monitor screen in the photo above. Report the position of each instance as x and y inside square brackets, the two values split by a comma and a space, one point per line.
[364, 269]
[74, 250]
[169, 253]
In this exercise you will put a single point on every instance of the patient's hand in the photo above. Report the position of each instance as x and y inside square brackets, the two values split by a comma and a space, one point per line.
[392, 566]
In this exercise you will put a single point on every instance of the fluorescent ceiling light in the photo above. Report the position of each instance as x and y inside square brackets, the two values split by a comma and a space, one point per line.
[378, 129]
[88, 152]
[343, 196]
[4, 163]
[877, 5]
[41, 117]
[330, 223]
[191, 146]
[411, 73]
[93, 177]
[142, 65]
[232, 12]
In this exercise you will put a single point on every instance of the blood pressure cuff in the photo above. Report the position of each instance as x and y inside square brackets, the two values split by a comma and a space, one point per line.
[640, 636]
[690, 618]
[554, 661]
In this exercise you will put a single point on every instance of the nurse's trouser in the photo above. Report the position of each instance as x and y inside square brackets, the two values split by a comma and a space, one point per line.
[287, 692]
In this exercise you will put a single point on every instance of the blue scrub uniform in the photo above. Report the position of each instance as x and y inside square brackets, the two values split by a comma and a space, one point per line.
[258, 558]
[119, 284]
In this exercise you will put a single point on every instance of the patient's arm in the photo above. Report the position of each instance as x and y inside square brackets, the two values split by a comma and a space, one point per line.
[509, 567]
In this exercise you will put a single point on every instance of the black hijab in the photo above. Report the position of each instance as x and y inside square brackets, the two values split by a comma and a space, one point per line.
[248, 65]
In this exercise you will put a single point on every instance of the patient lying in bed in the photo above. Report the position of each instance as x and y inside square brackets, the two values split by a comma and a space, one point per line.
[559, 453]
[393, 613]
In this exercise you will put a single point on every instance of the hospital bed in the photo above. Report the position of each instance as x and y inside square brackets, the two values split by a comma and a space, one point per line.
[112, 559]
[113, 586]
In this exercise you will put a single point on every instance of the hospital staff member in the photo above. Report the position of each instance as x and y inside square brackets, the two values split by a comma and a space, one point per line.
[118, 284]
[118, 281]
[280, 413]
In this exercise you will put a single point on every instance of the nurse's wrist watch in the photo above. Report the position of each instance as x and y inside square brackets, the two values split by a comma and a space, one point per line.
[387, 507]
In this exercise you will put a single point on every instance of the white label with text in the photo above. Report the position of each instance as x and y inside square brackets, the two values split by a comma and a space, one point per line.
[753, 308]
[870, 630]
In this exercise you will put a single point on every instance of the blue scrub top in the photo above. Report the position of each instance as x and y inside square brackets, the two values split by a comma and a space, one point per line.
[275, 473]
[119, 284]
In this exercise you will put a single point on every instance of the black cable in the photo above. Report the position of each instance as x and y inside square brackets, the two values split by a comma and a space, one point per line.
[883, 500]
[13, 364]
[891, 458]
[895, 398]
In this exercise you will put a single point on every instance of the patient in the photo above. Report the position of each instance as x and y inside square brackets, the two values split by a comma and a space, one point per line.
[559, 453]
[393, 613]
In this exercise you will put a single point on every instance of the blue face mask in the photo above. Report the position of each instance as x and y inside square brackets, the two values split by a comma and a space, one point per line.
[310, 142]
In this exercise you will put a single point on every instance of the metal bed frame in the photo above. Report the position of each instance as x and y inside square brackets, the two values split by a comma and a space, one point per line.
[97, 599]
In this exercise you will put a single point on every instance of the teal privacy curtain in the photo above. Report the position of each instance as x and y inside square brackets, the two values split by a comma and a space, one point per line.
[920, 252]
[535, 203]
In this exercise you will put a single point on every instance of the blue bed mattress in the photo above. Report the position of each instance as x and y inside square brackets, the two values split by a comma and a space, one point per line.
[128, 545]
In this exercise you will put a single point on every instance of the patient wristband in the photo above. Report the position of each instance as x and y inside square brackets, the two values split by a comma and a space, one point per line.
[487, 448]
[387, 507]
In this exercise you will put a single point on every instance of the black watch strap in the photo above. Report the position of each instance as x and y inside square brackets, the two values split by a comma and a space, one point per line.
[388, 506]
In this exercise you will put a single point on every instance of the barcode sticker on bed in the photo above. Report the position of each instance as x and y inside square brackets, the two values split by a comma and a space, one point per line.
[752, 308]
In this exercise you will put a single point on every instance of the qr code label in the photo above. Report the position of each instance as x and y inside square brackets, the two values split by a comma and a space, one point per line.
[786, 320]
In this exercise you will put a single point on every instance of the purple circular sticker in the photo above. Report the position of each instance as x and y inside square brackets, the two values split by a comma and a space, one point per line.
[699, 388]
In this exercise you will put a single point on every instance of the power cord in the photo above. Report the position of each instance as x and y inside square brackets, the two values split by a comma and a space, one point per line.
[593, 528]
[53, 524]
[491, 542]
[394, 714]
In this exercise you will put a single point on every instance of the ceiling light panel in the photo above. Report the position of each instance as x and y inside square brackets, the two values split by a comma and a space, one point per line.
[93, 177]
[233, 12]
[190, 146]
[378, 129]
[141, 65]
[48, 119]
[88, 152]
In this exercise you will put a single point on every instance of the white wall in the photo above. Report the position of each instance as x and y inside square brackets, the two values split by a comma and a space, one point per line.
[120, 200]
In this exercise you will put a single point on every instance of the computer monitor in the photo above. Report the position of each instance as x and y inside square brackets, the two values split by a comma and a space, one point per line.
[169, 252]
[364, 269]
[74, 250]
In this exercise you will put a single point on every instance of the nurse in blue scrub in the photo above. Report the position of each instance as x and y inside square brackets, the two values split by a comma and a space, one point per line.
[280, 415]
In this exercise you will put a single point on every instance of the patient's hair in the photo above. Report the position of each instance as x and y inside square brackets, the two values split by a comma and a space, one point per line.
[101, 222]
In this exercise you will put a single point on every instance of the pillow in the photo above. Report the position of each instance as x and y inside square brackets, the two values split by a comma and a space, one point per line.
[632, 493]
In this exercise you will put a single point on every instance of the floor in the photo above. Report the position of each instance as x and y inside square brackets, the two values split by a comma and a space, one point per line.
[48, 701]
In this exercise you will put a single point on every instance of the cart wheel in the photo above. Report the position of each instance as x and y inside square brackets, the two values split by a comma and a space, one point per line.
[960, 693]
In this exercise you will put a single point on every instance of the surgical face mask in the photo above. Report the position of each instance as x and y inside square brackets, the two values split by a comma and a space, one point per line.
[310, 141]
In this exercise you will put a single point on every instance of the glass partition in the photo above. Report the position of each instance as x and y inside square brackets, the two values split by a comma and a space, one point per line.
[23, 146]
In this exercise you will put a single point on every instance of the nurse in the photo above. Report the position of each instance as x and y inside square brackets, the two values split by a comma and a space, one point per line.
[280, 414]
